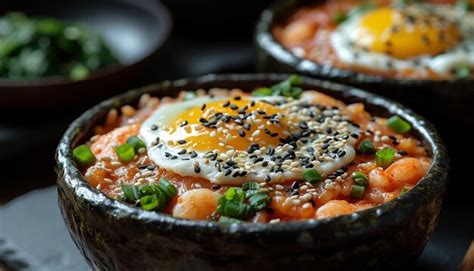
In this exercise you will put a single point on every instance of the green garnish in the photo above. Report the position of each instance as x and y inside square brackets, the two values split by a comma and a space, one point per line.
[286, 88]
[360, 178]
[462, 71]
[149, 202]
[250, 186]
[340, 17]
[357, 191]
[167, 187]
[262, 92]
[83, 155]
[398, 125]
[136, 143]
[259, 201]
[384, 157]
[36, 47]
[229, 220]
[312, 176]
[127, 192]
[367, 147]
[404, 191]
[125, 152]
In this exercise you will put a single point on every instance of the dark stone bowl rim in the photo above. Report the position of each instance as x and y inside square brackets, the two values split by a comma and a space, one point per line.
[435, 180]
[266, 42]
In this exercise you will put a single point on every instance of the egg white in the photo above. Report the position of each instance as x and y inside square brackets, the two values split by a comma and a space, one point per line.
[342, 40]
[164, 116]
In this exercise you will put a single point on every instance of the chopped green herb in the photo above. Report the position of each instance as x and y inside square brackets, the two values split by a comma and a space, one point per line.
[127, 192]
[360, 178]
[262, 92]
[357, 191]
[280, 88]
[384, 157]
[167, 187]
[404, 191]
[250, 186]
[294, 92]
[125, 152]
[295, 80]
[312, 176]
[235, 194]
[79, 72]
[398, 125]
[462, 72]
[149, 202]
[259, 201]
[339, 17]
[136, 143]
[229, 220]
[367, 147]
[83, 155]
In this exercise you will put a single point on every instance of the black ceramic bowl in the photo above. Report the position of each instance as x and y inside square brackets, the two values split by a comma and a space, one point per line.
[115, 236]
[134, 30]
[442, 101]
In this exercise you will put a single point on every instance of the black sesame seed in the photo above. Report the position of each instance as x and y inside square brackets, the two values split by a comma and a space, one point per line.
[183, 123]
[236, 174]
[241, 133]
[260, 159]
[234, 107]
[243, 173]
[295, 185]
[303, 125]
[153, 127]
[203, 107]
[252, 103]
[247, 126]
[268, 178]
[265, 163]
[354, 135]
[181, 141]
[215, 187]
[226, 104]
[193, 154]
[402, 152]
[181, 152]
[197, 169]
[237, 98]
[228, 172]
[202, 120]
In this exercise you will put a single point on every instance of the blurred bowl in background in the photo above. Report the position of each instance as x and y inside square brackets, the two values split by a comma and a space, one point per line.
[133, 30]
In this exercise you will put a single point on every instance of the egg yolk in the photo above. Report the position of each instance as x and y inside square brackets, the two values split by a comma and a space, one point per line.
[198, 128]
[405, 34]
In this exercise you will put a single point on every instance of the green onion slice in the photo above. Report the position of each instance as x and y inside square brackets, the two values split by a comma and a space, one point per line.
[295, 80]
[367, 147]
[167, 187]
[384, 157]
[357, 191]
[360, 178]
[259, 201]
[462, 72]
[136, 142]
[127, 192]
[149, 202]
[262, 92]
[398, 125]
[339, 17]
[83, 155]
[125, 152]
[312, 176]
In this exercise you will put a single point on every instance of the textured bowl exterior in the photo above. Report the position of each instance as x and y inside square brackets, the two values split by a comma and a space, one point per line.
[441, 100]
[114, 236]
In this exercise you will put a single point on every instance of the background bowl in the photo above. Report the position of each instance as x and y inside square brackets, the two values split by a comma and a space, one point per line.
[134, 30]
[440, 101]
[114, 235]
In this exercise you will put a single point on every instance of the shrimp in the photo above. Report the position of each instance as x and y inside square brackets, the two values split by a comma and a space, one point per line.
[357, 113]
[285, 206]
[322, 99]
[196, 204]
[408, 170]
[298, 32]
[104, 145]
[334, 208]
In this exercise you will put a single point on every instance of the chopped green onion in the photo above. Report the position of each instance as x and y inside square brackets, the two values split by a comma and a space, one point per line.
[83, 155]
[404, 191]
[250, 186]
[262, 92]
[295, 80]
[229, 220]
[136, 142]
[463, 72]
[398, 125]
[259, 201]
[167, 187]
[162, 197]
[149, 202]
[312, 176]
[79, 72]
[384, 157]
[189, 95]
[367, 147]
[357, 191]
[294, 92]
[127, 192]
[147, 190]
[136, 193]
[280, 88]
[125, 152]
[360, 178]
[234, 194]
[339, 17]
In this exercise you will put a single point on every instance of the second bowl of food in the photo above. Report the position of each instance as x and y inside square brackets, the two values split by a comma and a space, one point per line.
[407, 50]
[262, 171]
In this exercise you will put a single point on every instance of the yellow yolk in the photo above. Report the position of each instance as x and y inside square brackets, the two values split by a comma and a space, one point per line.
[403, 36]
[200, 138]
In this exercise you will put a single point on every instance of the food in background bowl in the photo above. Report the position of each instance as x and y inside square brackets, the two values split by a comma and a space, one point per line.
[36, 47]
[398, 39]
[277, 154]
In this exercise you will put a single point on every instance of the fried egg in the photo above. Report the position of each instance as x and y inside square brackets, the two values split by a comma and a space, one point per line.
[234, 140]
[419, 36]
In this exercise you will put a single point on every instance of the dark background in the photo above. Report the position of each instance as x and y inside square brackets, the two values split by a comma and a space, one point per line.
[208, 37]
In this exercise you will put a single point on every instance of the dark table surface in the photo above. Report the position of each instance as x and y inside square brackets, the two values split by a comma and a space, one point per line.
[32, 234]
